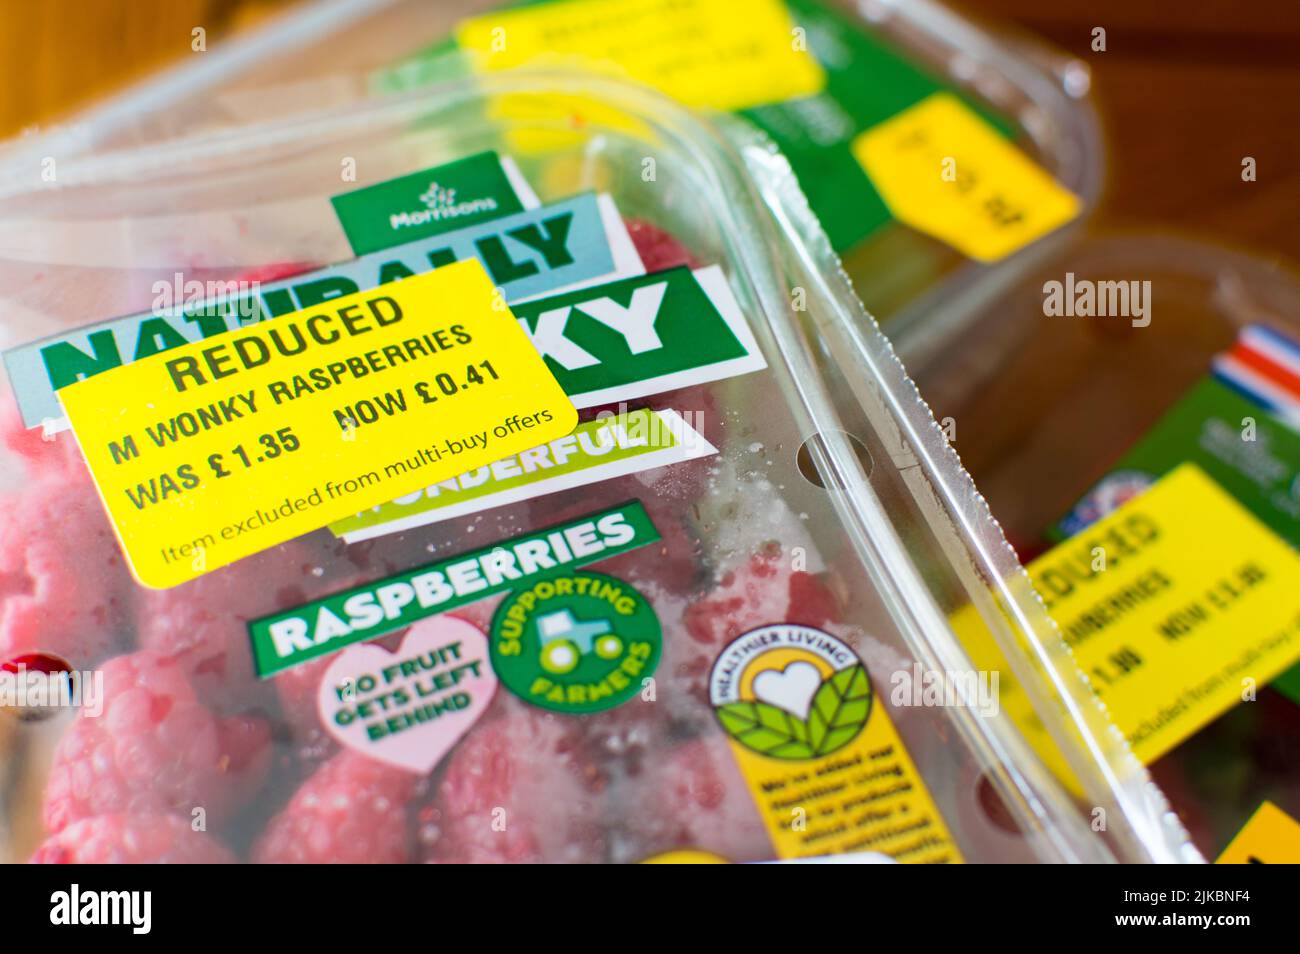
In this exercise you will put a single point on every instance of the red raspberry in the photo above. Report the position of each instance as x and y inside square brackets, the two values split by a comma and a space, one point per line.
[204, 623]
[63, 584]
[657, 248]
[352, 810]
[154, 748]
[693, 797]
[274, 272]
[765, 590]
[43, 453]
[297, 690]
[132, 840]
[516, 789]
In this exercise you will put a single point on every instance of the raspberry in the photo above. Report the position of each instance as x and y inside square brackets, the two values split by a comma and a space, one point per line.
[274, 272]
[352, 810]
[516, 789]
[43, 453]
[204, 623]
[154, 748]
[132, 840]
[63, 589]
[657, 248]
[765, 590]
[296, 689]
[692, 798]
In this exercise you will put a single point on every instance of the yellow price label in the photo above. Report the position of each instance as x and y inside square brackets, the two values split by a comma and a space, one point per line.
[227, 446]
[723, 54]
[946, 172]
[828, 771]
[1178, 606]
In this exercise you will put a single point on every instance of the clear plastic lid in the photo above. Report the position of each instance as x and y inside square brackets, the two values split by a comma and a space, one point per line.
[831, 519]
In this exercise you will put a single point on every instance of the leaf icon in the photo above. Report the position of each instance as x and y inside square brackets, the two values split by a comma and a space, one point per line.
[839, 710]
[766, 729]
[838, 713]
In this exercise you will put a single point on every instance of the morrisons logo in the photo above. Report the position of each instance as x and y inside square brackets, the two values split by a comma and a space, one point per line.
[441, 204]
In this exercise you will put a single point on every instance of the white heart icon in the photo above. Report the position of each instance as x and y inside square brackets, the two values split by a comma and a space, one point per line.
[410, 707]
[791, 689]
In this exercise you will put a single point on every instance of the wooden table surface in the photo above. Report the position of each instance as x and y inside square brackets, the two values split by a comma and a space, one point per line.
[1185, 90]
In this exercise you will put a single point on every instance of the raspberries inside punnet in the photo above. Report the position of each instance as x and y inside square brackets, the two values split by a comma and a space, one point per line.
[519, 788]
[154, 749]
[765, 589]
[353, 810]
[187, 729]
[63, 585]
[132, 840]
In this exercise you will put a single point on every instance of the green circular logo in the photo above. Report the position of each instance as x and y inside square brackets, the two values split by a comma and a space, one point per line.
[577, 642]
[791, 692]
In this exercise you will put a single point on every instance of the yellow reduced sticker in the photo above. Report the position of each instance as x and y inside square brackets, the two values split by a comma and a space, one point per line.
[221, 448]
[946, 172]
[1271, 837]
[723, 54]
[1178, 606]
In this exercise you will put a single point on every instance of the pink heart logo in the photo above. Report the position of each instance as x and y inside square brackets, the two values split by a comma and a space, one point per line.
[410, 707]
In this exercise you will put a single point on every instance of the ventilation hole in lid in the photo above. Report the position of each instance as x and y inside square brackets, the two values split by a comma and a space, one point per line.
[809, 470]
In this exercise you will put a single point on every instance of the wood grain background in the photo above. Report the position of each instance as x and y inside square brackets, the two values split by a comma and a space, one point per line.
[1186, 89]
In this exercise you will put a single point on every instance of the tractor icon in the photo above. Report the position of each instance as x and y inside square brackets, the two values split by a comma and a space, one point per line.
[566, 640]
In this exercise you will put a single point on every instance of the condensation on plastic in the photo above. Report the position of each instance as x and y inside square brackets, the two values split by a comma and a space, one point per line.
[324, 55]
[908, 545]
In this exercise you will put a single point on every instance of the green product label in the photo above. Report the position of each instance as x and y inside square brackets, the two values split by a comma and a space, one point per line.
[292, 637]
[866, 83]
[528, 253]
[429, 202]
[575, 642]
[642, 335]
